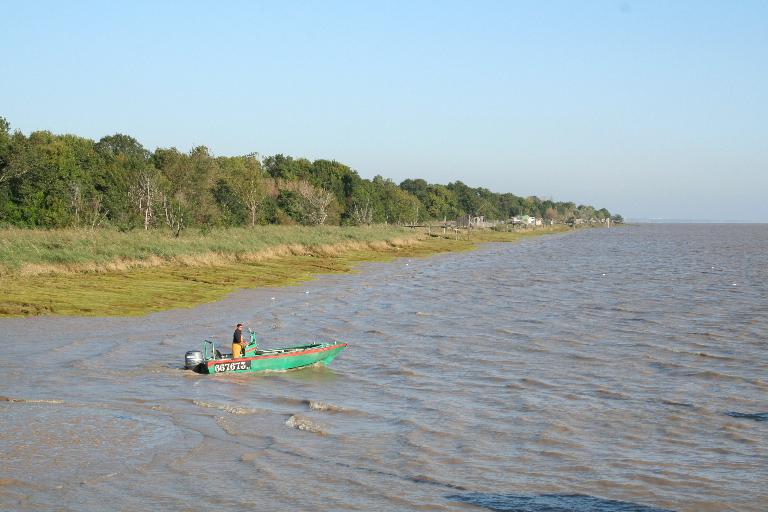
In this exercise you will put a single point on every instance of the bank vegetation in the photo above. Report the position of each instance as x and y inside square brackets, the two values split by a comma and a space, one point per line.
[67, 181]
[109, 227]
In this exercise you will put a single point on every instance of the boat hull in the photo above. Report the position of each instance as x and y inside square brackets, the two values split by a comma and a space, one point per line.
[275, 360]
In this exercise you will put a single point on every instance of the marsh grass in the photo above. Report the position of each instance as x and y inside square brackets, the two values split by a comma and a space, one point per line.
[31, 252]
[127, 274]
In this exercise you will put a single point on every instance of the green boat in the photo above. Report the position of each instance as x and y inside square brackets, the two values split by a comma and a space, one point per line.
[254, 359]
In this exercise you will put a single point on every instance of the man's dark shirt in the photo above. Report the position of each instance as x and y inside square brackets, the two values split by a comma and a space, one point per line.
[237, 337]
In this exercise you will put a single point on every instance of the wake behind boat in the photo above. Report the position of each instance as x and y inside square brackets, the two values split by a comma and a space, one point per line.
[254, 359]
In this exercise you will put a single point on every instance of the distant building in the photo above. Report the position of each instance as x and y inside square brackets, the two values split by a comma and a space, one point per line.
[524, 220]
[476, 221]
[471, 221]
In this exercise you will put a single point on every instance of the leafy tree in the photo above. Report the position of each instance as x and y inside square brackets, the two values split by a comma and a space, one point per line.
[334, 177]
[46, 168]
[189, 181]
[487, 204]
[566, 210]
[121, 146]
[233, 211]
[286, 167]
[441, 202]
[585, 212]
[246, 178]
[417, 187]
[362, 203]
[5, 148]
[467, 198]
[394, 205]
[119, 178]
[292, 207]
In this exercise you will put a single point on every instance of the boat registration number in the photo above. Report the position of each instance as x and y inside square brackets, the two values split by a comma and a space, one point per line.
[231, 367]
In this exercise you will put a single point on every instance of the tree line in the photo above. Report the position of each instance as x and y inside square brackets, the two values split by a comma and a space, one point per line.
[50, 181]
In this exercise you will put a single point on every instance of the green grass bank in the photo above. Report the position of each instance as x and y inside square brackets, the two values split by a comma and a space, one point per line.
[109, 273]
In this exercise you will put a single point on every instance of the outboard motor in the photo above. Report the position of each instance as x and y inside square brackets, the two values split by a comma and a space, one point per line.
[192, 359]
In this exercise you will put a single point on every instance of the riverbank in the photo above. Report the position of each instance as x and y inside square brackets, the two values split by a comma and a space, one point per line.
[106, 273]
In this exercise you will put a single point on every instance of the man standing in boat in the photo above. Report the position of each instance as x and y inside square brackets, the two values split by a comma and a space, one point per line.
[238, 345]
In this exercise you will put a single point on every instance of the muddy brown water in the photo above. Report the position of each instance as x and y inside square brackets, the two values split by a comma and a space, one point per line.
[613, 369]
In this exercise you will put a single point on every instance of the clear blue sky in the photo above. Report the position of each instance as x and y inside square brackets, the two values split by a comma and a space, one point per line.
[651, 109]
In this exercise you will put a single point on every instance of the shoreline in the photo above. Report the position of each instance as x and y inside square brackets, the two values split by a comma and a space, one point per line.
[139, 287]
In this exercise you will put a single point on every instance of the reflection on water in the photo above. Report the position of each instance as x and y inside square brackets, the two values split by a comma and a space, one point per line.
[628, 364]
[550, 503]
[758, 416]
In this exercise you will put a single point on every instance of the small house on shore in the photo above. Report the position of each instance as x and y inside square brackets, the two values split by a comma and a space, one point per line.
[471, 221]
[527, 220]
[476, 222]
